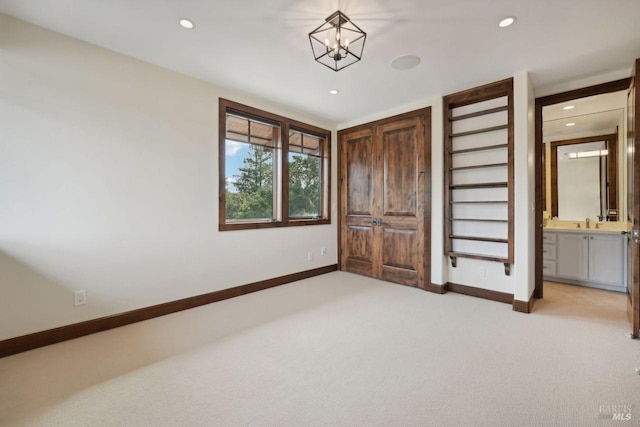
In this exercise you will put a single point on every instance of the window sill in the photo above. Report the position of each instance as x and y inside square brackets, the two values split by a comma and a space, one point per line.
[272, 224]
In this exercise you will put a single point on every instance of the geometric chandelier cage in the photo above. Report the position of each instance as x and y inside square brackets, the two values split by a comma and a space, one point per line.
[338, 42]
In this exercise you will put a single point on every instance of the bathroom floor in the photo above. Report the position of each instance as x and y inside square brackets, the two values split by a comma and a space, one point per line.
[581, 301]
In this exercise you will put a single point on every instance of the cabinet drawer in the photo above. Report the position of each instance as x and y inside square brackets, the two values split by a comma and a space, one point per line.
[549, 238]
[548, 268]
[549, 252]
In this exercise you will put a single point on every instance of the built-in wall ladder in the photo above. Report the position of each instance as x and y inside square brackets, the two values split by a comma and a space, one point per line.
[479, 174]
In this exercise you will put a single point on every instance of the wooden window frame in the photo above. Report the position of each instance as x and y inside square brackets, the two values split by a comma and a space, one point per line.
[281, 190]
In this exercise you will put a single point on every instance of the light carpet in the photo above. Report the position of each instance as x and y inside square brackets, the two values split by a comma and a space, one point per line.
[341, 350]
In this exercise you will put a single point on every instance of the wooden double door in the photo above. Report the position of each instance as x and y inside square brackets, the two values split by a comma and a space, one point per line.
[385, 195]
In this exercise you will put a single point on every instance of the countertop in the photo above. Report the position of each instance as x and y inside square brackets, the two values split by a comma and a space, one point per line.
[583, 230]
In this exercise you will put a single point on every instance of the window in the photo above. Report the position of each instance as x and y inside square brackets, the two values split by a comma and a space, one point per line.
[305, 175]
[250, 167]
[274, 171]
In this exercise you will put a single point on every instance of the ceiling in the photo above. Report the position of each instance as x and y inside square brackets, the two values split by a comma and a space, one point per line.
[262, 47]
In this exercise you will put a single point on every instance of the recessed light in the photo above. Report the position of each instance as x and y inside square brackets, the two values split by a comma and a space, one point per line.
[405, 62]
[569, 107]
[507, 21]
[186, 23]
[570, 124]
[334, 91]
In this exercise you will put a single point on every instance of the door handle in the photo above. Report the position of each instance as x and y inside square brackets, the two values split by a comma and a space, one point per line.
[376, 221]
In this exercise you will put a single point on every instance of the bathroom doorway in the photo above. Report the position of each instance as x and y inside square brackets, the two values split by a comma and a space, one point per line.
[601, 246]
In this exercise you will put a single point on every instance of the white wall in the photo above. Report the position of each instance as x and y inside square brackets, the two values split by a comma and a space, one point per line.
[526, 223]
[109, 183]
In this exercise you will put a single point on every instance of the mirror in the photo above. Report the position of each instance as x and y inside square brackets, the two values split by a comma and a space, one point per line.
[585, 177]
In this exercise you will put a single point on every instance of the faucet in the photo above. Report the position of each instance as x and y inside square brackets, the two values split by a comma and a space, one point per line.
[587, 221]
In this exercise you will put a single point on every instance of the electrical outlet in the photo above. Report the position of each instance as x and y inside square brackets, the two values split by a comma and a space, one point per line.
[310, 256]
[483, 272]
[323, 251]
[80, 297]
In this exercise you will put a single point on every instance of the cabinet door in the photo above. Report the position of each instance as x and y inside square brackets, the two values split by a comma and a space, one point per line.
[605, 259]
[572, 256]
[549, 252]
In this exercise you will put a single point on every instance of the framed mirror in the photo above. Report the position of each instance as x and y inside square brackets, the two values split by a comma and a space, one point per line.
[584, 178]
[584, 175]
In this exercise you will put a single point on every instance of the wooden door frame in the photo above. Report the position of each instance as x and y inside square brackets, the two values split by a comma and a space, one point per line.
[633, 301]
[614, 86]
[426, 114]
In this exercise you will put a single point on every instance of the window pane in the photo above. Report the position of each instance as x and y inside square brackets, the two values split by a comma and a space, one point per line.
[305, 185]
[304, 143]
[242, 129]
[249, 181]
[261, 133]
[237, 128]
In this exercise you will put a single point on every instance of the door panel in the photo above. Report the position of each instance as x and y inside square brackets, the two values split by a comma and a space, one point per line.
[400, 262]
[400, 176]
[360, 249]
[357, 190]
[359, 154]
[402, 147]
[633, 150]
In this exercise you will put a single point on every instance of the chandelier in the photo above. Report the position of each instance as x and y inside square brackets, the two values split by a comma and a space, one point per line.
[338, 42]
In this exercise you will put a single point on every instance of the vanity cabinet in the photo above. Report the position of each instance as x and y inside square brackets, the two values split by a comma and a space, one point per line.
[595, 259]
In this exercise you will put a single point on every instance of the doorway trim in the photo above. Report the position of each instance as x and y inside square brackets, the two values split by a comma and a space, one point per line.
[614, 86]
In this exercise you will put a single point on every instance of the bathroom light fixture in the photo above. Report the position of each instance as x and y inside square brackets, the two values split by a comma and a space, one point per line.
[334, 91]
[507, 21]
[186, 23]
[338, 42]
[593, 153]
[568, 107]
